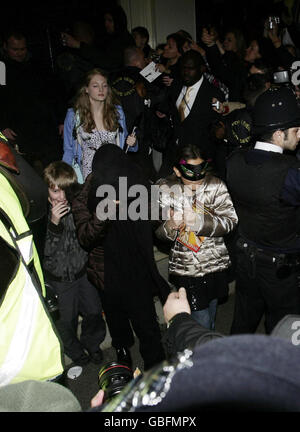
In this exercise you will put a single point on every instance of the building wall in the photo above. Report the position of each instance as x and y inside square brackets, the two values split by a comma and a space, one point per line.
[161, 17]
[173, 15]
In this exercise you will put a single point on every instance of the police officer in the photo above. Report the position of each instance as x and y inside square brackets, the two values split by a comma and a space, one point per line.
[265, 187]
[30, 347]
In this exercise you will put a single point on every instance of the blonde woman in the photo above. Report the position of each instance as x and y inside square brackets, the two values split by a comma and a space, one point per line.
[95, 119]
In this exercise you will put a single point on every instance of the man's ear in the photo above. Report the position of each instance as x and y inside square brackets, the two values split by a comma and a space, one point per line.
[277, 136]
[176, 171]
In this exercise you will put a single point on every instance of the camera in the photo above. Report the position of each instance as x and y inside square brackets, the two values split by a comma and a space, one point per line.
[156, 58]
[112, 379]
[272, 22]
[281, 77]
[216, 104]
[51, 301]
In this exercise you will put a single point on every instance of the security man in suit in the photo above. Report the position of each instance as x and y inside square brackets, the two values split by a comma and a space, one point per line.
[265, 187]
[192, 98]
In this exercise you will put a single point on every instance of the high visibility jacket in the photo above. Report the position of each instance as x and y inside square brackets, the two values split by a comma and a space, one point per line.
[30, 348]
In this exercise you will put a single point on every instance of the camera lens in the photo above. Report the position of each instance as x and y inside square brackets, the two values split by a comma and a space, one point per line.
[113, 377]
[51, 302]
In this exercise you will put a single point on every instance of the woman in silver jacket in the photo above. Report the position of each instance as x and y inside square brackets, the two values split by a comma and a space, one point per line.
[198, 212]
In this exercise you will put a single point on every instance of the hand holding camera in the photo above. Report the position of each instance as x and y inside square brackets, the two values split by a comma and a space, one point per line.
[217, 106]
[161, 68]
[273, 35]
[271, 30]
[194, 46]
[69, 41]
[272, 22]
[207, 38]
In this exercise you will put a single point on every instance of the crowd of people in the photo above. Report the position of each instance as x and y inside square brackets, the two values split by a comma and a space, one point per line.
[215, 134]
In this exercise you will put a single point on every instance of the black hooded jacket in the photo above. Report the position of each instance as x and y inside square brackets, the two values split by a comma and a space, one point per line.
[121, 251]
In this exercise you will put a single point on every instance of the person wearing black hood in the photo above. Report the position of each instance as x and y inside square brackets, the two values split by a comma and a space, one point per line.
[108, 53]
[121, 262]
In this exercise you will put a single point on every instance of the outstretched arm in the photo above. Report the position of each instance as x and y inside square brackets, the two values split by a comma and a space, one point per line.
[183, 331]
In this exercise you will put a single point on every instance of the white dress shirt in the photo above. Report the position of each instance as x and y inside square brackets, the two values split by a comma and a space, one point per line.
[192, 96]
[268, 147]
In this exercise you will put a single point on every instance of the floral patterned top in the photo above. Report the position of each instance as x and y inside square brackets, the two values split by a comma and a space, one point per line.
[90, 142]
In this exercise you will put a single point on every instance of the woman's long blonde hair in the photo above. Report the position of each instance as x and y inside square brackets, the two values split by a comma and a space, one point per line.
[82, 105]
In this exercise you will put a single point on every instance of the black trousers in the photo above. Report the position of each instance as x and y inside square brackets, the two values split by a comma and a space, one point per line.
[124, 316]
[260, 291]
[74, 298]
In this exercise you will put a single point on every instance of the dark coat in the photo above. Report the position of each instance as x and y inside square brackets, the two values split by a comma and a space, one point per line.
[30, 106]
[195, 127]
[92, 234]
[229, 69]
[108, 54]
[183, 333]
[132, 90]
[64, 259]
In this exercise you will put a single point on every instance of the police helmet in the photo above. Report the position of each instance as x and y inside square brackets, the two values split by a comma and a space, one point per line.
[276, 108]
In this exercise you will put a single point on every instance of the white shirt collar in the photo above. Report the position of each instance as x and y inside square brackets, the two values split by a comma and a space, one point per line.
[192, 95]
[194, 87]
[268, 147]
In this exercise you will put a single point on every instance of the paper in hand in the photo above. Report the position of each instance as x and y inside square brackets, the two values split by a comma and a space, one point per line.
[150, 73]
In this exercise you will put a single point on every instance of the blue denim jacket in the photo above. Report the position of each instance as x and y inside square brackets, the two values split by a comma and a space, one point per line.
[72, 147]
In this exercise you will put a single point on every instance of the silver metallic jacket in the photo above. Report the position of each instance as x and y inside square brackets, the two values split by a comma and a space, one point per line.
[218, 219]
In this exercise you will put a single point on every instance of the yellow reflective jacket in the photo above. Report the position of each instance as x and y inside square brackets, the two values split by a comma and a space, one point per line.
[30, 348]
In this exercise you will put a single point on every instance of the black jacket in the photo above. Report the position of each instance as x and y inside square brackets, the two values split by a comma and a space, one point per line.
[108, 54]
[32, 107]
[184, 333]
[196, 126]
[64, 259]
[255, 180]
[229, 69]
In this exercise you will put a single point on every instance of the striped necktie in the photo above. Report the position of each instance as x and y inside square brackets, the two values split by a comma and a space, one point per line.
[184, 103]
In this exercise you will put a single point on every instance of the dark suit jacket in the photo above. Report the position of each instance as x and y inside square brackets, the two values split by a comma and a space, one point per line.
[195, 128]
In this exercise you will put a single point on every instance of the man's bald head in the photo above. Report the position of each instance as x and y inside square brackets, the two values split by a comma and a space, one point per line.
[134, 56]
